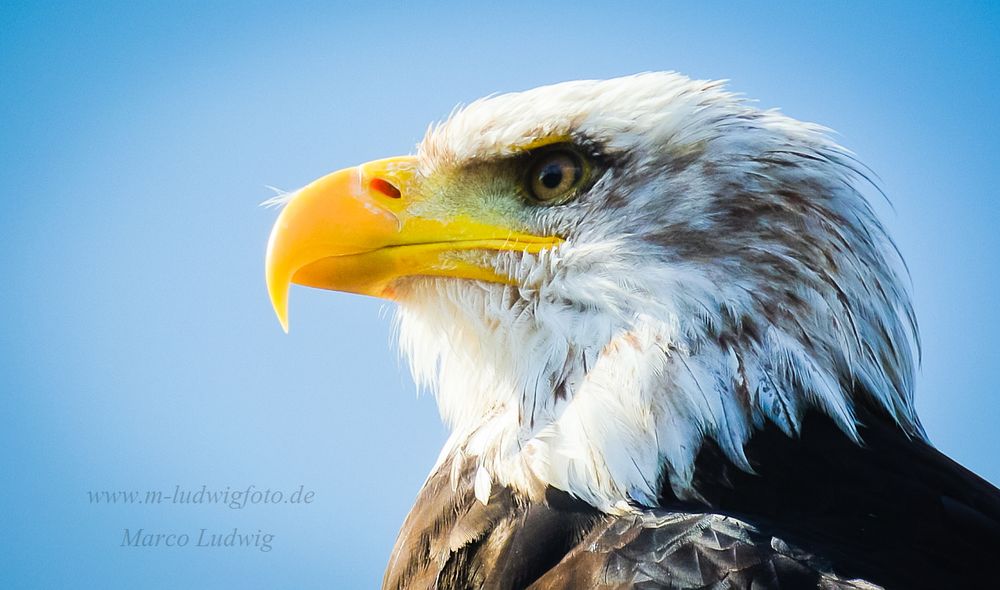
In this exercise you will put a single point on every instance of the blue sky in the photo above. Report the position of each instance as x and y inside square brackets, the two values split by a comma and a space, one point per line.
[139, 350]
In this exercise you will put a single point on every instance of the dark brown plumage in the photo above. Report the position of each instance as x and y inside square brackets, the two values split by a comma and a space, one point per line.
[825, 513]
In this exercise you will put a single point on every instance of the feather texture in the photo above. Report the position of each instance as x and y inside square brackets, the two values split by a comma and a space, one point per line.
[821, 512]
[723, 272]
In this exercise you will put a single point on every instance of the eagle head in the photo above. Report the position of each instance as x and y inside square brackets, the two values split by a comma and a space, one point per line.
[595, 278]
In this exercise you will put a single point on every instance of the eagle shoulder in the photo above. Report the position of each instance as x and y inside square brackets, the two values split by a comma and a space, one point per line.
[663, 549]
[451, 540]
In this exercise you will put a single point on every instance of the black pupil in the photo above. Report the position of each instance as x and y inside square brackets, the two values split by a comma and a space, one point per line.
[551, 176]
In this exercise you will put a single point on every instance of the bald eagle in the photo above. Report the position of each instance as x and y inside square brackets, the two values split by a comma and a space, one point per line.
[671, 341]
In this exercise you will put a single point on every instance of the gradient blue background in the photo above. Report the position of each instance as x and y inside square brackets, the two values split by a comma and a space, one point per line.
[139, 350]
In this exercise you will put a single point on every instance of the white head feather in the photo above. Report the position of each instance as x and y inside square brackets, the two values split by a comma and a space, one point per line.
[725, 271]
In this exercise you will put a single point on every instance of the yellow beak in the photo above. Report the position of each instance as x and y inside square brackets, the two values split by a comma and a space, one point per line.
[355, 231]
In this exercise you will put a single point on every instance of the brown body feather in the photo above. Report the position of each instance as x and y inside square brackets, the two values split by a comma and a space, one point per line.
[820, 512]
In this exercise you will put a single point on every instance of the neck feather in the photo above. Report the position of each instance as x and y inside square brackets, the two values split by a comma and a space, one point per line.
[610, 405]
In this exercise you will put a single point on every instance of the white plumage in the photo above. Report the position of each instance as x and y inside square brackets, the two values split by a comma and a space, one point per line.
[725, 273]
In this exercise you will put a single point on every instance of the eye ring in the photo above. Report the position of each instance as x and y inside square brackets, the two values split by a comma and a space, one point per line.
[554, 176]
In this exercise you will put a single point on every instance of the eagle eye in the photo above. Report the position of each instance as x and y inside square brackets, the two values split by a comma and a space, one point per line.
[554, 175]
